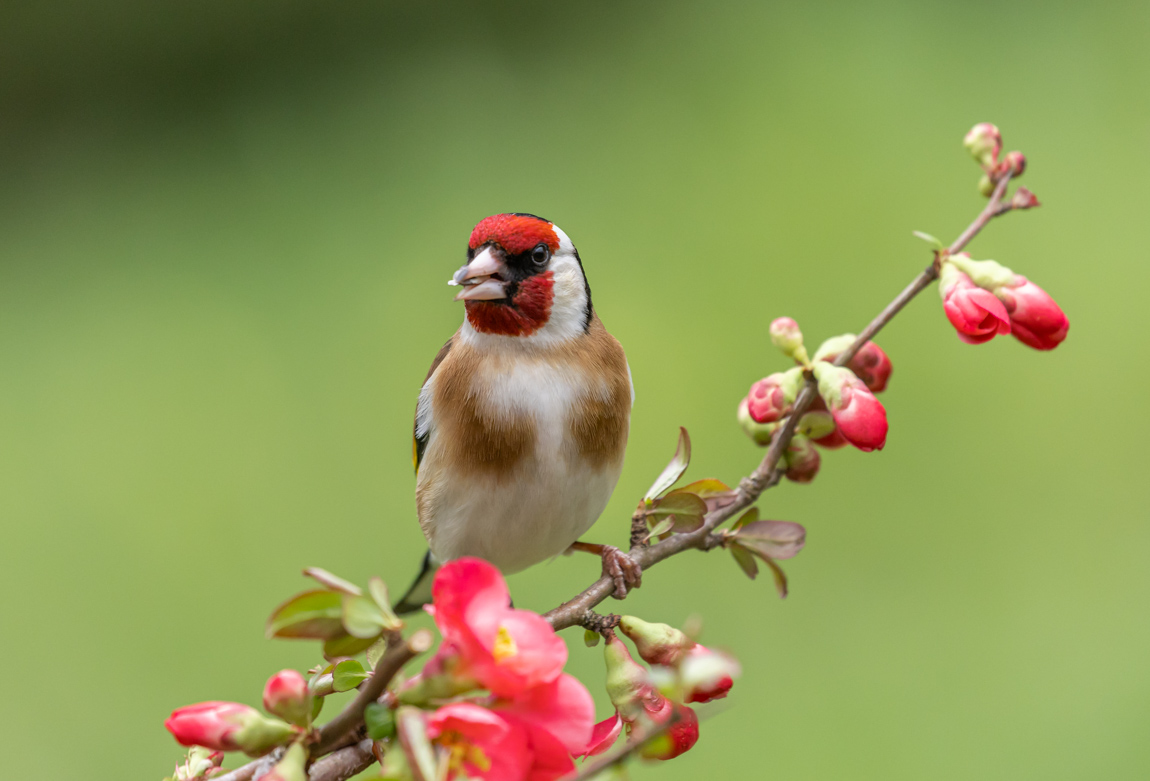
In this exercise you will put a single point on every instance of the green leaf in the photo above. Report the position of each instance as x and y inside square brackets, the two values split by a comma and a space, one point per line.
[345, 645]
[380, 721]
[376, 651]
[316, 706]
[348, 674]
[750, 516]
[333, 582]
[591, 638]
[378, 590]
[686, 508]
[745, 560]
[780, 578]
[707, 487]
[662, 527]
[773, 539]
[312, 614]
[674, 470]
[362, 617]
[938, 245]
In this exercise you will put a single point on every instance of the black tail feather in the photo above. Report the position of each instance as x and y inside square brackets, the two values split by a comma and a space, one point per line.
[419, 594]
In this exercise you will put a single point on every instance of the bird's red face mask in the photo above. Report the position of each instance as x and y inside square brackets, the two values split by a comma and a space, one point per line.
[507, 286]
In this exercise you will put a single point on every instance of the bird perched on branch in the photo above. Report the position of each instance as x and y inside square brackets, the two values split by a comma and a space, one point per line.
[522, 421]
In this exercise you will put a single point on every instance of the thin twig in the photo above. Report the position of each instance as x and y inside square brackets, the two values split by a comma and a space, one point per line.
[399, 652]
[343, 764]
[768, 474]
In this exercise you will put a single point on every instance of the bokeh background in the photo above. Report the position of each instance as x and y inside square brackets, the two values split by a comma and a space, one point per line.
[225, 230]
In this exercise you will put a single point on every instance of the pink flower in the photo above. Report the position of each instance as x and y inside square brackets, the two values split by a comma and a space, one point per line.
[480, 743]
[490, 744]
[859, 416]
[227, 726]
[976, 314]
[563, 708]
[505, 650]
[287, 696]
[678, 739]
[1035, 319]
[604, 735]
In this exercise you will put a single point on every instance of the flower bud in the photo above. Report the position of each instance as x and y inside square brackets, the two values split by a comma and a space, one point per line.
[817, 424]
[628, 687]
[707, 675]
[445, 675]
[984, 142]
[286, 695]
[976, 314]
[1035, 319]
[761, 433]
[656, 643]
[870, 363]
[200, 763]
[785, 335]
[1015, 162]
[228, 726]
[677, 739]
[771, 397]
[1024, 199]
[291, 767]
[859, 416]
[802, 460]
[986, 186]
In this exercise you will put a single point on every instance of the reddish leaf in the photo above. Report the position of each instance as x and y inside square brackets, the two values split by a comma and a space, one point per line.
[686, 508]
[774, 539]
[780, 578]
[745, 560]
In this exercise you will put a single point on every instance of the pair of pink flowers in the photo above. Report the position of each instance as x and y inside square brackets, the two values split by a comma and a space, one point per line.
[537, 718]
[983, 299]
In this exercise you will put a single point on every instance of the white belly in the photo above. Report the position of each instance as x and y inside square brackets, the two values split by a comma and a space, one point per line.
[552, 497]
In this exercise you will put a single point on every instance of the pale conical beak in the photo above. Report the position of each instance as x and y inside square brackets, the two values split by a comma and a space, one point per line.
[477, 278]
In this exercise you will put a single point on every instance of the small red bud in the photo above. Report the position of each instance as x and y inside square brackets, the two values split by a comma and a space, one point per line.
[976, 314]
[785, 335]
[1014, 162]
[1035, 319]
[771, 397]
[803, 460]
[859, 416]
[228, 726]
[677, 740]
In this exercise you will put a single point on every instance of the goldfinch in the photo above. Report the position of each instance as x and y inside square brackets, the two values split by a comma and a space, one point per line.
[522, 421]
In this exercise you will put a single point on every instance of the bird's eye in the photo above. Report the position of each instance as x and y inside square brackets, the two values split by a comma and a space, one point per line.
[540, 255]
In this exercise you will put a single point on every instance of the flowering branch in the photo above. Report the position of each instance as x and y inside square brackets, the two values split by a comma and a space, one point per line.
[493, 703]
[574, 612]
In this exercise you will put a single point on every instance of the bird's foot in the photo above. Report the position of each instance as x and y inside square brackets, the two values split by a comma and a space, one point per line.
[621, 567]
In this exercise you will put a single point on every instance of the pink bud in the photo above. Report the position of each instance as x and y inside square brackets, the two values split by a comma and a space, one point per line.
[1015, 162]
[785, 335]
[627, 685]
[677, 739]
[984, 143]
[771, 397]
[1035, 319]
[832, 440]
[287, 696]
[870, 364]
[859, 416]
[803, 460]
[976, 314]
[1024, 199]
[227, 726]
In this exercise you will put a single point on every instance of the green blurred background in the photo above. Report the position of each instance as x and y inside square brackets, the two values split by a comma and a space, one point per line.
[225, 230]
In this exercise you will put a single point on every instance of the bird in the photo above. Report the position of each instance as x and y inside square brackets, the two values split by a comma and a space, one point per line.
[521, 423]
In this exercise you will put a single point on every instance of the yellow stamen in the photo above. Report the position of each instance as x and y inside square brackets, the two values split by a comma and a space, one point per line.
[505, 646]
